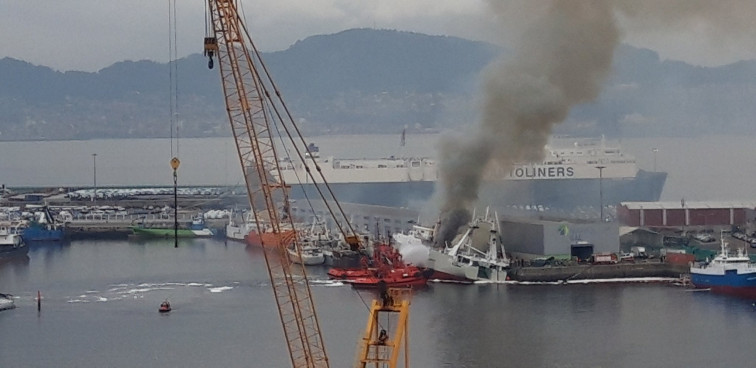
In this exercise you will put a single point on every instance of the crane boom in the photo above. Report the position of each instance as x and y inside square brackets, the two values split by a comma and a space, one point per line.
[252, 111]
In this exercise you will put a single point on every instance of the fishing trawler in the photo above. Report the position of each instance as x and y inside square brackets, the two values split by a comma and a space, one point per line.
[568, 177]
[728, 273]
[477, 255]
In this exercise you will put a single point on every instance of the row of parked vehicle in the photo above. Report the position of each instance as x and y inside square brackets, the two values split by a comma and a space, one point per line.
[750, 239]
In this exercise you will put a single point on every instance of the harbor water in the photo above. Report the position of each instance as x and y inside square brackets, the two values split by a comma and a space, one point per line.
[100, 298]
[100, 301]
[711, 168]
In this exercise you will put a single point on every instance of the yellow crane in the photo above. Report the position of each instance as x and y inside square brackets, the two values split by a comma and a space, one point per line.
[380, 347]
[254, 107]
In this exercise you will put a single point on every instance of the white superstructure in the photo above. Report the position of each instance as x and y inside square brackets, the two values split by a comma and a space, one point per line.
[377, 170]
[564, 159]
[576, 159]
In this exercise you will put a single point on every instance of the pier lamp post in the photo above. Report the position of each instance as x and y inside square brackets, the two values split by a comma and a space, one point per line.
[94, 167]
[654, 150]
[601, 191]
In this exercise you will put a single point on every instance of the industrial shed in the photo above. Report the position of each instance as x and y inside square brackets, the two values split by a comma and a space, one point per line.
[679, 214]
[527, 237]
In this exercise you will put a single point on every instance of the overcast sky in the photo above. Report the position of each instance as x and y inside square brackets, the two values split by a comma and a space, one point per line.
[89, 35]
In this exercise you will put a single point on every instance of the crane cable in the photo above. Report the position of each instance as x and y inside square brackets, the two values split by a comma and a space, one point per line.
[274, 112]
[289, 118]
[302, 157]
[173, 76]
[173, 109]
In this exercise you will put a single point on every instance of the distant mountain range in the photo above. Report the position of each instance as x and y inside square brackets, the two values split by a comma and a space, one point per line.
[365, 81]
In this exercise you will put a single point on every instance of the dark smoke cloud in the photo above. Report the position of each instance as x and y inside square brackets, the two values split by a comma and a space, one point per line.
[563, 55]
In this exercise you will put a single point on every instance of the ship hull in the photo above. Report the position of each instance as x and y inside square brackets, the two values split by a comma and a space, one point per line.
[38, 233]
[555, 193]
[392, 194]
[730, 282]
[571, 193]
[169, 233]
[446, 269]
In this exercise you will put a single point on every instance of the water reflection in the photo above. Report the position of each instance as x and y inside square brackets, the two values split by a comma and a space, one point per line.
[14, 269]
[7, 262]
[166, 242]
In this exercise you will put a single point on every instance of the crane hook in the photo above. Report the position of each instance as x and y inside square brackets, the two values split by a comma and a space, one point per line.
[211, 45]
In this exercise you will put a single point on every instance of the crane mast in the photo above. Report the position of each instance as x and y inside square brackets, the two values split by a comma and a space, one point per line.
[254, 106]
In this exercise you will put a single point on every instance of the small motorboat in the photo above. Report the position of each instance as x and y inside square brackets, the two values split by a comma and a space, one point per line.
[165, 307]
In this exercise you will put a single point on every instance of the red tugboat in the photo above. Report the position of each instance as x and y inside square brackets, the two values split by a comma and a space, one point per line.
[388, 268]
[165, 307]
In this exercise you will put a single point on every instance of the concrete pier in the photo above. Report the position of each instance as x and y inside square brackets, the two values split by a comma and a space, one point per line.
[591, 272]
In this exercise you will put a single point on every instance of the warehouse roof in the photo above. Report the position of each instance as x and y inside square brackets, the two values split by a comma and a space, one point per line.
[689, 205]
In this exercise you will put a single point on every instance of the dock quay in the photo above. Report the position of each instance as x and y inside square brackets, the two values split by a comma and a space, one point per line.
[112, 213]
[652, 268]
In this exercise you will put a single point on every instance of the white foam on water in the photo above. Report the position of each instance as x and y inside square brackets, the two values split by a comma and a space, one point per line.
[220, 289]
[326, 282]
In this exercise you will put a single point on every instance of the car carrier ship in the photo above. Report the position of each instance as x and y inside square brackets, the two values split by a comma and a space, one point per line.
[569, 176]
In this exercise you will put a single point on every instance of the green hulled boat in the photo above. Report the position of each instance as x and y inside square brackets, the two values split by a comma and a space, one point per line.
[197, 230]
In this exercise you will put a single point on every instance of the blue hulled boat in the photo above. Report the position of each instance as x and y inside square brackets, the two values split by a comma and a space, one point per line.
[44, 227]
[727, 273]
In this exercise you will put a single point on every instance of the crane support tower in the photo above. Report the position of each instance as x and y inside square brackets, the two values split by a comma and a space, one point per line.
[254, 105]
[379, 348]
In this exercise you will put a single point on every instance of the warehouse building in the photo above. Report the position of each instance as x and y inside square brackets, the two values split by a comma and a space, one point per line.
[527, 238]
[681, 214]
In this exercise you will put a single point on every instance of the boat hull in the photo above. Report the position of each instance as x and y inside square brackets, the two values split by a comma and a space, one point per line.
[12, 245]
[371, 277]
[730, 283]
[556, 193]
[349, 273]
[238, 233]
[411, 277]
[169, 233]
[34, 233]
[446, 269]
[308, 258]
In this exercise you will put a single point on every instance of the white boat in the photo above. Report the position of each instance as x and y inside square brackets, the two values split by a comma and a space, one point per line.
[567, 177]
[11, 241]
[317, 235]
[308, 255]
[477, 255]
[239, 229]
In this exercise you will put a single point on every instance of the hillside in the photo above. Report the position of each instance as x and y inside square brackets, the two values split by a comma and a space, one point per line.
[364, 81]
